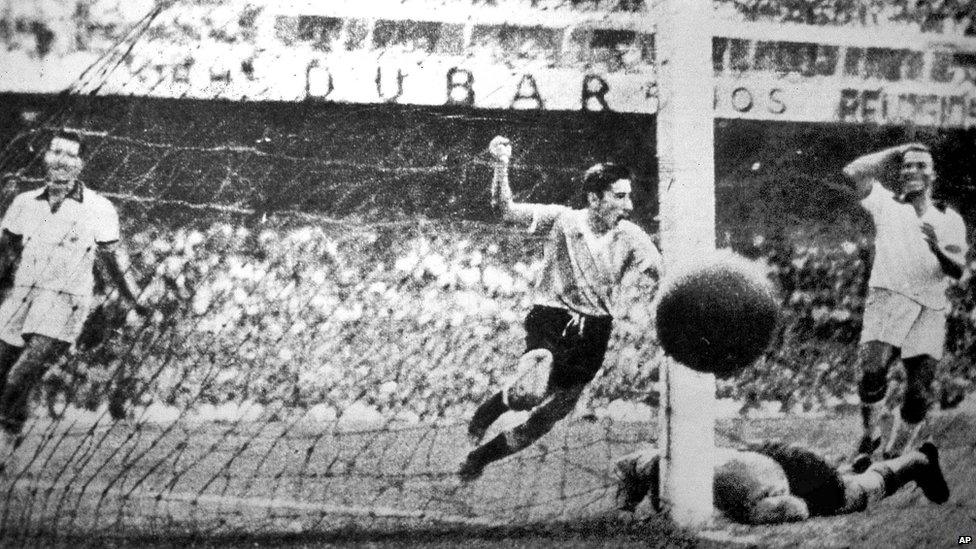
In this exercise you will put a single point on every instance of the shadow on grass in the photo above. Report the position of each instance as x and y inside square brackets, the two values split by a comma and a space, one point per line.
[606, 531]
[603, 531]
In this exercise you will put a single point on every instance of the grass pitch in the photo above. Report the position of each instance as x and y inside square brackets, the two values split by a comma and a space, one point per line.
[281, 483]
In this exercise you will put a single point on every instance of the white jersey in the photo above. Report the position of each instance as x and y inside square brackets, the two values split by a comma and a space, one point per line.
[59, 246]
[903, 262]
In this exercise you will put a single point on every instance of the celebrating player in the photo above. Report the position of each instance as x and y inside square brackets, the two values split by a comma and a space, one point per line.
[587, 254]
[51, 238]
[771, 482]
[916, 247]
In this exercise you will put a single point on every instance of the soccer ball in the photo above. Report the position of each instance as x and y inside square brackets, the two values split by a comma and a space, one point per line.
[718, 314]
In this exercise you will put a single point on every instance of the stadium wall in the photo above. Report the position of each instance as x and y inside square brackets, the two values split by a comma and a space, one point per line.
[379, 162]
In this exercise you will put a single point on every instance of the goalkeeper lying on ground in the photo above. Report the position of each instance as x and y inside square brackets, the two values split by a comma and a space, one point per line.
[770, 482]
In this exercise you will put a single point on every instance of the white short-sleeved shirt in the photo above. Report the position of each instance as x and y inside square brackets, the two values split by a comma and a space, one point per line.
[581, 269]
[903, 262]
[60, 246]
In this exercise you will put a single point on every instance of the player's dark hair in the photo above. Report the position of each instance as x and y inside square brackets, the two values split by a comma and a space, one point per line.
[599, 177]
[68, 134]
[916, 147]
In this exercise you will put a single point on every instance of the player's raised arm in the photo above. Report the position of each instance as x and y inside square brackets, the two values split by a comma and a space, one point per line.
[501, 192]
[868, 169]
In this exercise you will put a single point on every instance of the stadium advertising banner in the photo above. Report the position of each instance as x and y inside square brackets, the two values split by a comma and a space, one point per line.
[767, 73]
[766, 99]
[477, 54]
[524, 54]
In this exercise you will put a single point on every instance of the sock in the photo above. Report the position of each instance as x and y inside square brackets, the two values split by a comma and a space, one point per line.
[921, 467]
[892, 481]
[493, 450]
[869, 413]
[487, 413]
[867, 416]
[930, 477]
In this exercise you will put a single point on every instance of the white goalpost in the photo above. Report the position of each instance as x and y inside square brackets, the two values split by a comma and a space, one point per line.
[686, 189]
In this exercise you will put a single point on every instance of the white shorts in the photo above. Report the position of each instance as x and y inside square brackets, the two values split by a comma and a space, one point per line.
[46, 312]
[899, 321]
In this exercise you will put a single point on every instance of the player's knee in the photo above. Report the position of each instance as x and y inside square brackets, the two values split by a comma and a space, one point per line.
[521, 436]
[522, 401]
[920, 372]
[915, 407]
[518, 439]
[540, 422]
[530, 385]
[626, 466]
[642, 463]
[873, 386]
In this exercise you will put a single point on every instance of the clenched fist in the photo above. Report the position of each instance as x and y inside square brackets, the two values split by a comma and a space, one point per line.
[500, 149]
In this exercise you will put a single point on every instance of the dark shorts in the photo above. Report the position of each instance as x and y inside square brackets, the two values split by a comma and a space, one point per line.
[811, 477]
[577, 348]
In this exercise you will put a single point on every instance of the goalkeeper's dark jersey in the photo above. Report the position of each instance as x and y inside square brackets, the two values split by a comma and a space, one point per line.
[810, 477]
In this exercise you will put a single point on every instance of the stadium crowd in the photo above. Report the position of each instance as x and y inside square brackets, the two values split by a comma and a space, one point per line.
[40, 28]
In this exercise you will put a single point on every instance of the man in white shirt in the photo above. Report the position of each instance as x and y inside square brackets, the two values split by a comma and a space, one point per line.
[587, 255]
[51, 238]
[917, 246]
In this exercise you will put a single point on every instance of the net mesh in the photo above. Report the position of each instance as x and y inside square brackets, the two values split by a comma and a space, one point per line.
[331, 299]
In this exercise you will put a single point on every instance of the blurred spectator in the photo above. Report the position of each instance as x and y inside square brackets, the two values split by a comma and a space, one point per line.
[522, 47]
[941, 16]
[42, 28]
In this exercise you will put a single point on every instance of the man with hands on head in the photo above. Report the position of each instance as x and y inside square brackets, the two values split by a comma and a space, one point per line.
[918, 246]
[589, 254]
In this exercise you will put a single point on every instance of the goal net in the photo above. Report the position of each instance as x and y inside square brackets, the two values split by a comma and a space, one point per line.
[331, 295]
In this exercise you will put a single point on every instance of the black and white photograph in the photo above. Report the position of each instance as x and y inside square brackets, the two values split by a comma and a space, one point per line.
[487, 273]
